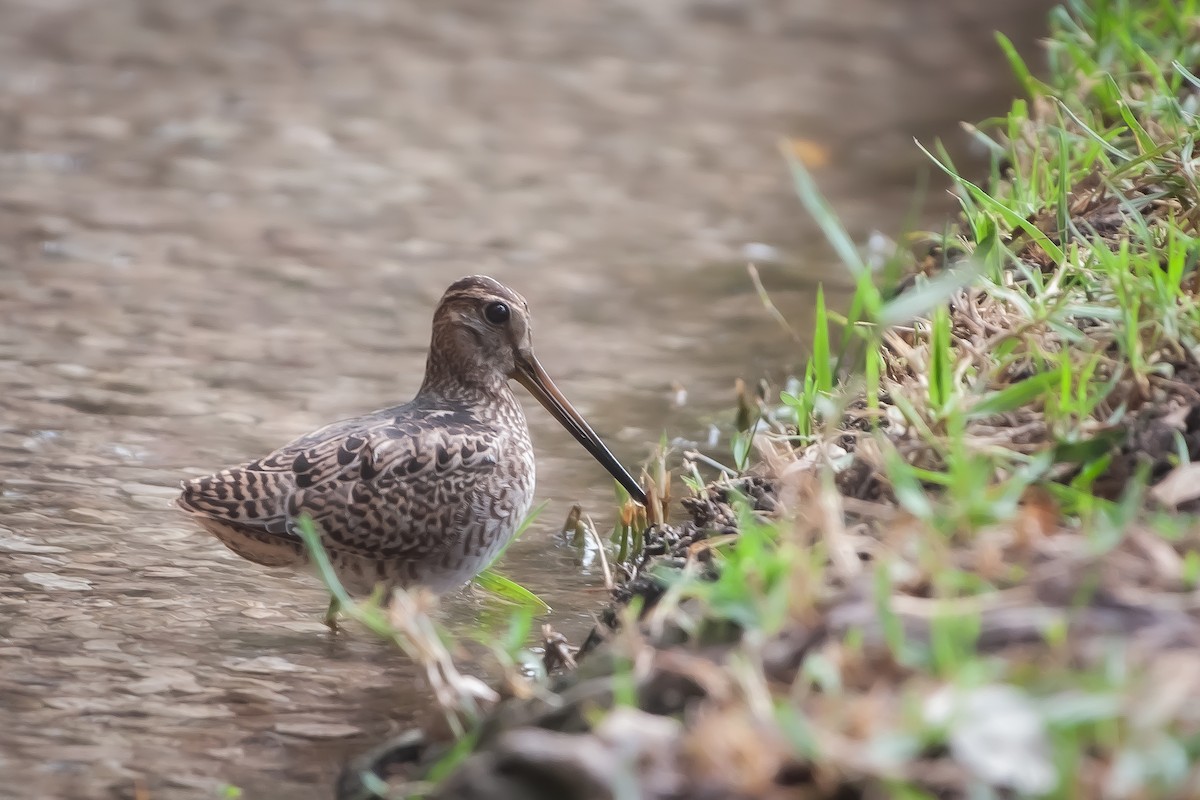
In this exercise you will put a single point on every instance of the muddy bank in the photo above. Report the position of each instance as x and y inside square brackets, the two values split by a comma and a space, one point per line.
[677, 700]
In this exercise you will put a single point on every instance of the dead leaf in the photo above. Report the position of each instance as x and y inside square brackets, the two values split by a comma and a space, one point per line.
[1181, 485]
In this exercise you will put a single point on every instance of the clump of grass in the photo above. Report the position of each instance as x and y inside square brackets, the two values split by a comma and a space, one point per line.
[1009, 413]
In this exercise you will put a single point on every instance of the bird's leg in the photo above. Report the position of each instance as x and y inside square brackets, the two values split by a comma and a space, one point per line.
[331, 614]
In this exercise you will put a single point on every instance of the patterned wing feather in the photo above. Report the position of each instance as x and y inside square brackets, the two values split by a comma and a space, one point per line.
[382, 489]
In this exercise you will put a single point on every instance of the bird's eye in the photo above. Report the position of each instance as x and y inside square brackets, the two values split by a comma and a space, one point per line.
[496, 313]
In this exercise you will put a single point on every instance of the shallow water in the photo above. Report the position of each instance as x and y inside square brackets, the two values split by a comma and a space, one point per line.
[222, 225]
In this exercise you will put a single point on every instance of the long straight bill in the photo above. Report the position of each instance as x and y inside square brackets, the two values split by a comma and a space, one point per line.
[531, 375]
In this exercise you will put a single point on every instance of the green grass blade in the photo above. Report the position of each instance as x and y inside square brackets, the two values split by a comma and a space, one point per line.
[1017, 395]
[509, 591]
[927, 295]
[941, 361]
[1110, 148]
[316, 550]
[1186, 73]
[823, 369]
[1145, 142]
[1010, 217]
[1032, 86]
[820, 210]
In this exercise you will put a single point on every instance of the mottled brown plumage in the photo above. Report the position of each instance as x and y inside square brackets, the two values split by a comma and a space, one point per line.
[422, 493]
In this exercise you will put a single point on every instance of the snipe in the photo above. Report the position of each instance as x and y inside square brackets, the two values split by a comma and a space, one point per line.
[422, 493]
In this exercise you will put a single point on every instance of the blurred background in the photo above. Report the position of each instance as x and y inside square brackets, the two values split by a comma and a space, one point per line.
[223, 224]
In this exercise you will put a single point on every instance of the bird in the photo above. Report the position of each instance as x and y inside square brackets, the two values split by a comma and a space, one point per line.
[425, 493]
